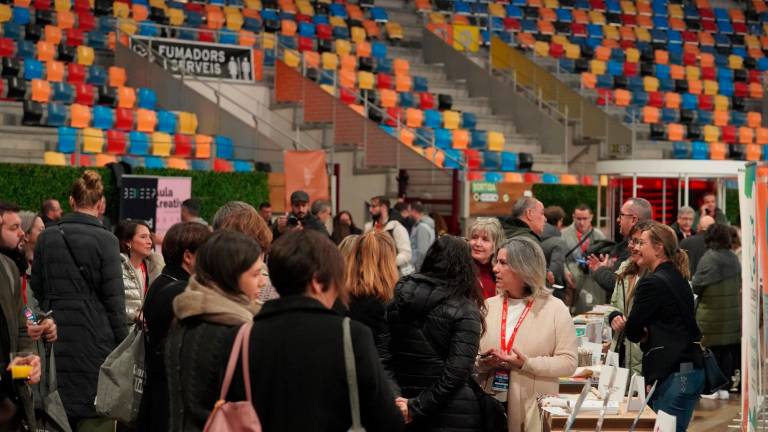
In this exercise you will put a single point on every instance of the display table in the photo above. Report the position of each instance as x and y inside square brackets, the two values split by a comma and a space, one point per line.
[587, 421]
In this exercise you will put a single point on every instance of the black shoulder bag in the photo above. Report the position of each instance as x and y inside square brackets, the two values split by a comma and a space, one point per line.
[83, 272]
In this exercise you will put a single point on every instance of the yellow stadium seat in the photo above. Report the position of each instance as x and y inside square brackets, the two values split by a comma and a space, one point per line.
[394, 30]
[337, 21]
[330, 61]
[311, 59]
[597, 67]
[54, 158]
[735, 62]
[187, 123]
[128, 26]
[611, 33]
[85, 55]
[497, 10]
[343, 47]
[675, 11]
[268, 41]
[414, 118]
[175, 16]
[121, 10]
[596, 17]
[633, 55]
[650, 84]
[541, 49]
[692, 72]
[710, 87]
[161, 144]
[357, 34]
[203, 145]
[93, 140]
[62, 5]
[451, 120]
[721, 103]
[572, 51]
[292, 58]
[711, 133]
[495, 141]
[643, 35]
[365, 80]
[235, 21]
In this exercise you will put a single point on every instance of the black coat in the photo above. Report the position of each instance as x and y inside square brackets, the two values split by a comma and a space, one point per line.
[695, 246]
[373, 313]
[309, 222]
[90, 315]
[298, 376]
[196, 354]
[435, 339]
[606, 276]
[665, 308]
[158, 315]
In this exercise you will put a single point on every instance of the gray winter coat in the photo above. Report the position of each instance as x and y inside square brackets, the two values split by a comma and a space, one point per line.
[554, 251]
[422, 237]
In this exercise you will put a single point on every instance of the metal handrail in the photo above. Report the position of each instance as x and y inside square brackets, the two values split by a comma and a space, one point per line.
[297, 144]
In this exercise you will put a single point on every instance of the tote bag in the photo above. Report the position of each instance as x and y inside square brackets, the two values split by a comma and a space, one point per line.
[121, 379]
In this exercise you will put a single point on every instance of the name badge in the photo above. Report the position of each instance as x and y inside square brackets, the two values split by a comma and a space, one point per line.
[500, 381]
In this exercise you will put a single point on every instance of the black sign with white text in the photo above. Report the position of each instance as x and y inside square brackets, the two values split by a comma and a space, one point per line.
[229, 62]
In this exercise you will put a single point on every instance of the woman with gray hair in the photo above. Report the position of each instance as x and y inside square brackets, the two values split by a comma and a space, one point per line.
[485, 236]
[530, 339]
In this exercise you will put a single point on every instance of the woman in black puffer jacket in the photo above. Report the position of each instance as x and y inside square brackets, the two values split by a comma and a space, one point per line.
[435, 321]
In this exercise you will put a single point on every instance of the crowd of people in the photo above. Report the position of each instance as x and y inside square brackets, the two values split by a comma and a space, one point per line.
[443, 328]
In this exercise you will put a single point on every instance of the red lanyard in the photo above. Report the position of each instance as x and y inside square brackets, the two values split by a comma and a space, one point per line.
[507, 347]
[584, 244]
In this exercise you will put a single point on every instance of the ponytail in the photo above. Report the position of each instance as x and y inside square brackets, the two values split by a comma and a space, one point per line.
[681, 262]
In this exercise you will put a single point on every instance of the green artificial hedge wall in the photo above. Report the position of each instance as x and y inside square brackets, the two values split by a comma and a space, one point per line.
[567, 197]
[28, 185]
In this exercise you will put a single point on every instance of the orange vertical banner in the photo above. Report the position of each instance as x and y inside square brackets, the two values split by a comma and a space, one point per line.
[258, 65]
[305, 170]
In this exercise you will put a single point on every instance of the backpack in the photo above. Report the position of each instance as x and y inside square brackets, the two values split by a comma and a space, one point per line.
[235, 416]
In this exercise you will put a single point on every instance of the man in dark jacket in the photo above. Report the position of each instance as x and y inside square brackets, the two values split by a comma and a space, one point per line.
[554, 246]
[299, 217]
[695, 245]
[683, 227]
[709, 208]
[51, 212]
[79, 278]
[603, 268]
[527, 219]
[296, 392]
[15, 323]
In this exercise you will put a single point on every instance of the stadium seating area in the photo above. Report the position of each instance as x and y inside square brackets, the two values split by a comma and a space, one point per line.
[694, 74]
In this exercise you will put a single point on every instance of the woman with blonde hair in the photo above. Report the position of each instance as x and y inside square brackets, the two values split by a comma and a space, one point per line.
[663, 321]
[371, 275]
[485, 236]
[531, 340]
[347, 245]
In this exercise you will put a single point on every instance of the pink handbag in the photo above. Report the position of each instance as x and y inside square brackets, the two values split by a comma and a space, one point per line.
[235, 416]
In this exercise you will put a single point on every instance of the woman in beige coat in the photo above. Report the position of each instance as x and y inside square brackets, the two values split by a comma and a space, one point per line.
[542, 349]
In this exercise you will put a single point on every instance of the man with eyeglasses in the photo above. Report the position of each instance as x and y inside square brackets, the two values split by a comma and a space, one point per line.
[695, 245]
[579, 236]
[603, 268]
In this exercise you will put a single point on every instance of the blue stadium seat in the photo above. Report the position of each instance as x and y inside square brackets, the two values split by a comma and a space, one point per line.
[57, 114]
[33, 69]
[138, 143]
[103, 117]
[420, 84]
[228, 37]
[479, 139]
[453, 159]
[680, 150]
[615, 68]
[738, 118]
[699, 150]
[146, 98]
[509, 161]
[62, 92]
[384, 65]
[516, 13]
[242, 166]
[338, 9]
[669, 115]
[307, 29]
[379, 15]
[433, 118]
[67, 140]
[443, 138]
[689, 101]
[166, 122]
[639, 98]
[424, 137]
[704, 117]
[201, 165]
[407, 100]
[153, 162]
[148, 28]
[224, 147]
[21, 15]
[491, 160]
[97, 75]
[468, 120]
[378, 50]
[26, 49]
